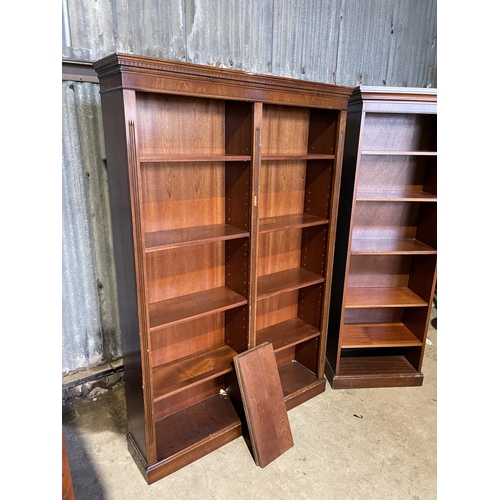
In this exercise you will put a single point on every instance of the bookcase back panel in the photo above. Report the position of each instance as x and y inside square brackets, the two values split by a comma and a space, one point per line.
[172, 125]
[178, 341]
[275, 309]
[396, 172]
[279, 251]
[281, 188]
[188, 397]
[399, 132]
[285, 130]
[378, 220]
[379, 271]
[178, 195]
[181, 271]
[374, 315]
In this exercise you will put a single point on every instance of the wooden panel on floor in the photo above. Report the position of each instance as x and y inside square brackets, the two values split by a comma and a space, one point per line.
[264, 404]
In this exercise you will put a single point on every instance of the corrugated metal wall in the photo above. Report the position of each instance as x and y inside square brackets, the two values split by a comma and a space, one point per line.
[345, 42]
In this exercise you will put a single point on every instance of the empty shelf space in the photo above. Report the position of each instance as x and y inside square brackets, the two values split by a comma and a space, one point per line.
[394, 195]
[400, 153]
[298, 156]
[187, 372]
[375, 366]
[295, 378]
[196, 426]
[361, 297]
[284, 281]
[287, 333]
[390, 246]
[167, 158]
[192, 306]
[191, 235]
[282, 222]
[378, 335]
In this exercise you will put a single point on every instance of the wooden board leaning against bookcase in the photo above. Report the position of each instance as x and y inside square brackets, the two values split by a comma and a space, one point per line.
[224, 192]
[386, 247]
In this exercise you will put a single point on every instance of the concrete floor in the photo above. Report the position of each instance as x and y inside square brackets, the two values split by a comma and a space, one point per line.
[366, 444]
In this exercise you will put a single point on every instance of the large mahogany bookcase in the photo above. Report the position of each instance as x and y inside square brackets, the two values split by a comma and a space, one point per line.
[386, 245]
[224, 192]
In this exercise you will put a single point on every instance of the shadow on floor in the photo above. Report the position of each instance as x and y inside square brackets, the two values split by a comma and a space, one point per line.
[89, 417]
[84, 477]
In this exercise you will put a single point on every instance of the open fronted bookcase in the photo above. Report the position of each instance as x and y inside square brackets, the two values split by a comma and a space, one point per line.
[386, 246]
[224, 192]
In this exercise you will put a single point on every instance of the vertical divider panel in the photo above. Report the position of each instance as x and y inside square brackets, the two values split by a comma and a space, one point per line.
[254, 221]
[338, 139]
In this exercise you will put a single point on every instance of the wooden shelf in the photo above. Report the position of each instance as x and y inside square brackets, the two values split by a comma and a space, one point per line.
[375, 366]
[285, 281]
[174, 238]
[382, 297]
[194, 427]
[190, 157]
[400, 153]
[193, 370]
[394, 195]
[294, 157]
[287, 333]
[378, 335]
[283, 222]
[390, 246]
[186, 307]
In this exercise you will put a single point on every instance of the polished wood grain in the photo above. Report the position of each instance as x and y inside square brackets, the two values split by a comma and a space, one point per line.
[195, 369]
[285, 130]
[378, 335]
[181, 340]
[284, 281]
[287, 333]
[291, 221]
[161, 240]
[281, 188]
[390, 246]
[180, 195]
[191, 306]
[264, 404]
[394, 195]
[172, 125]
[382, 297]
[189, 396]
[183, 271]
